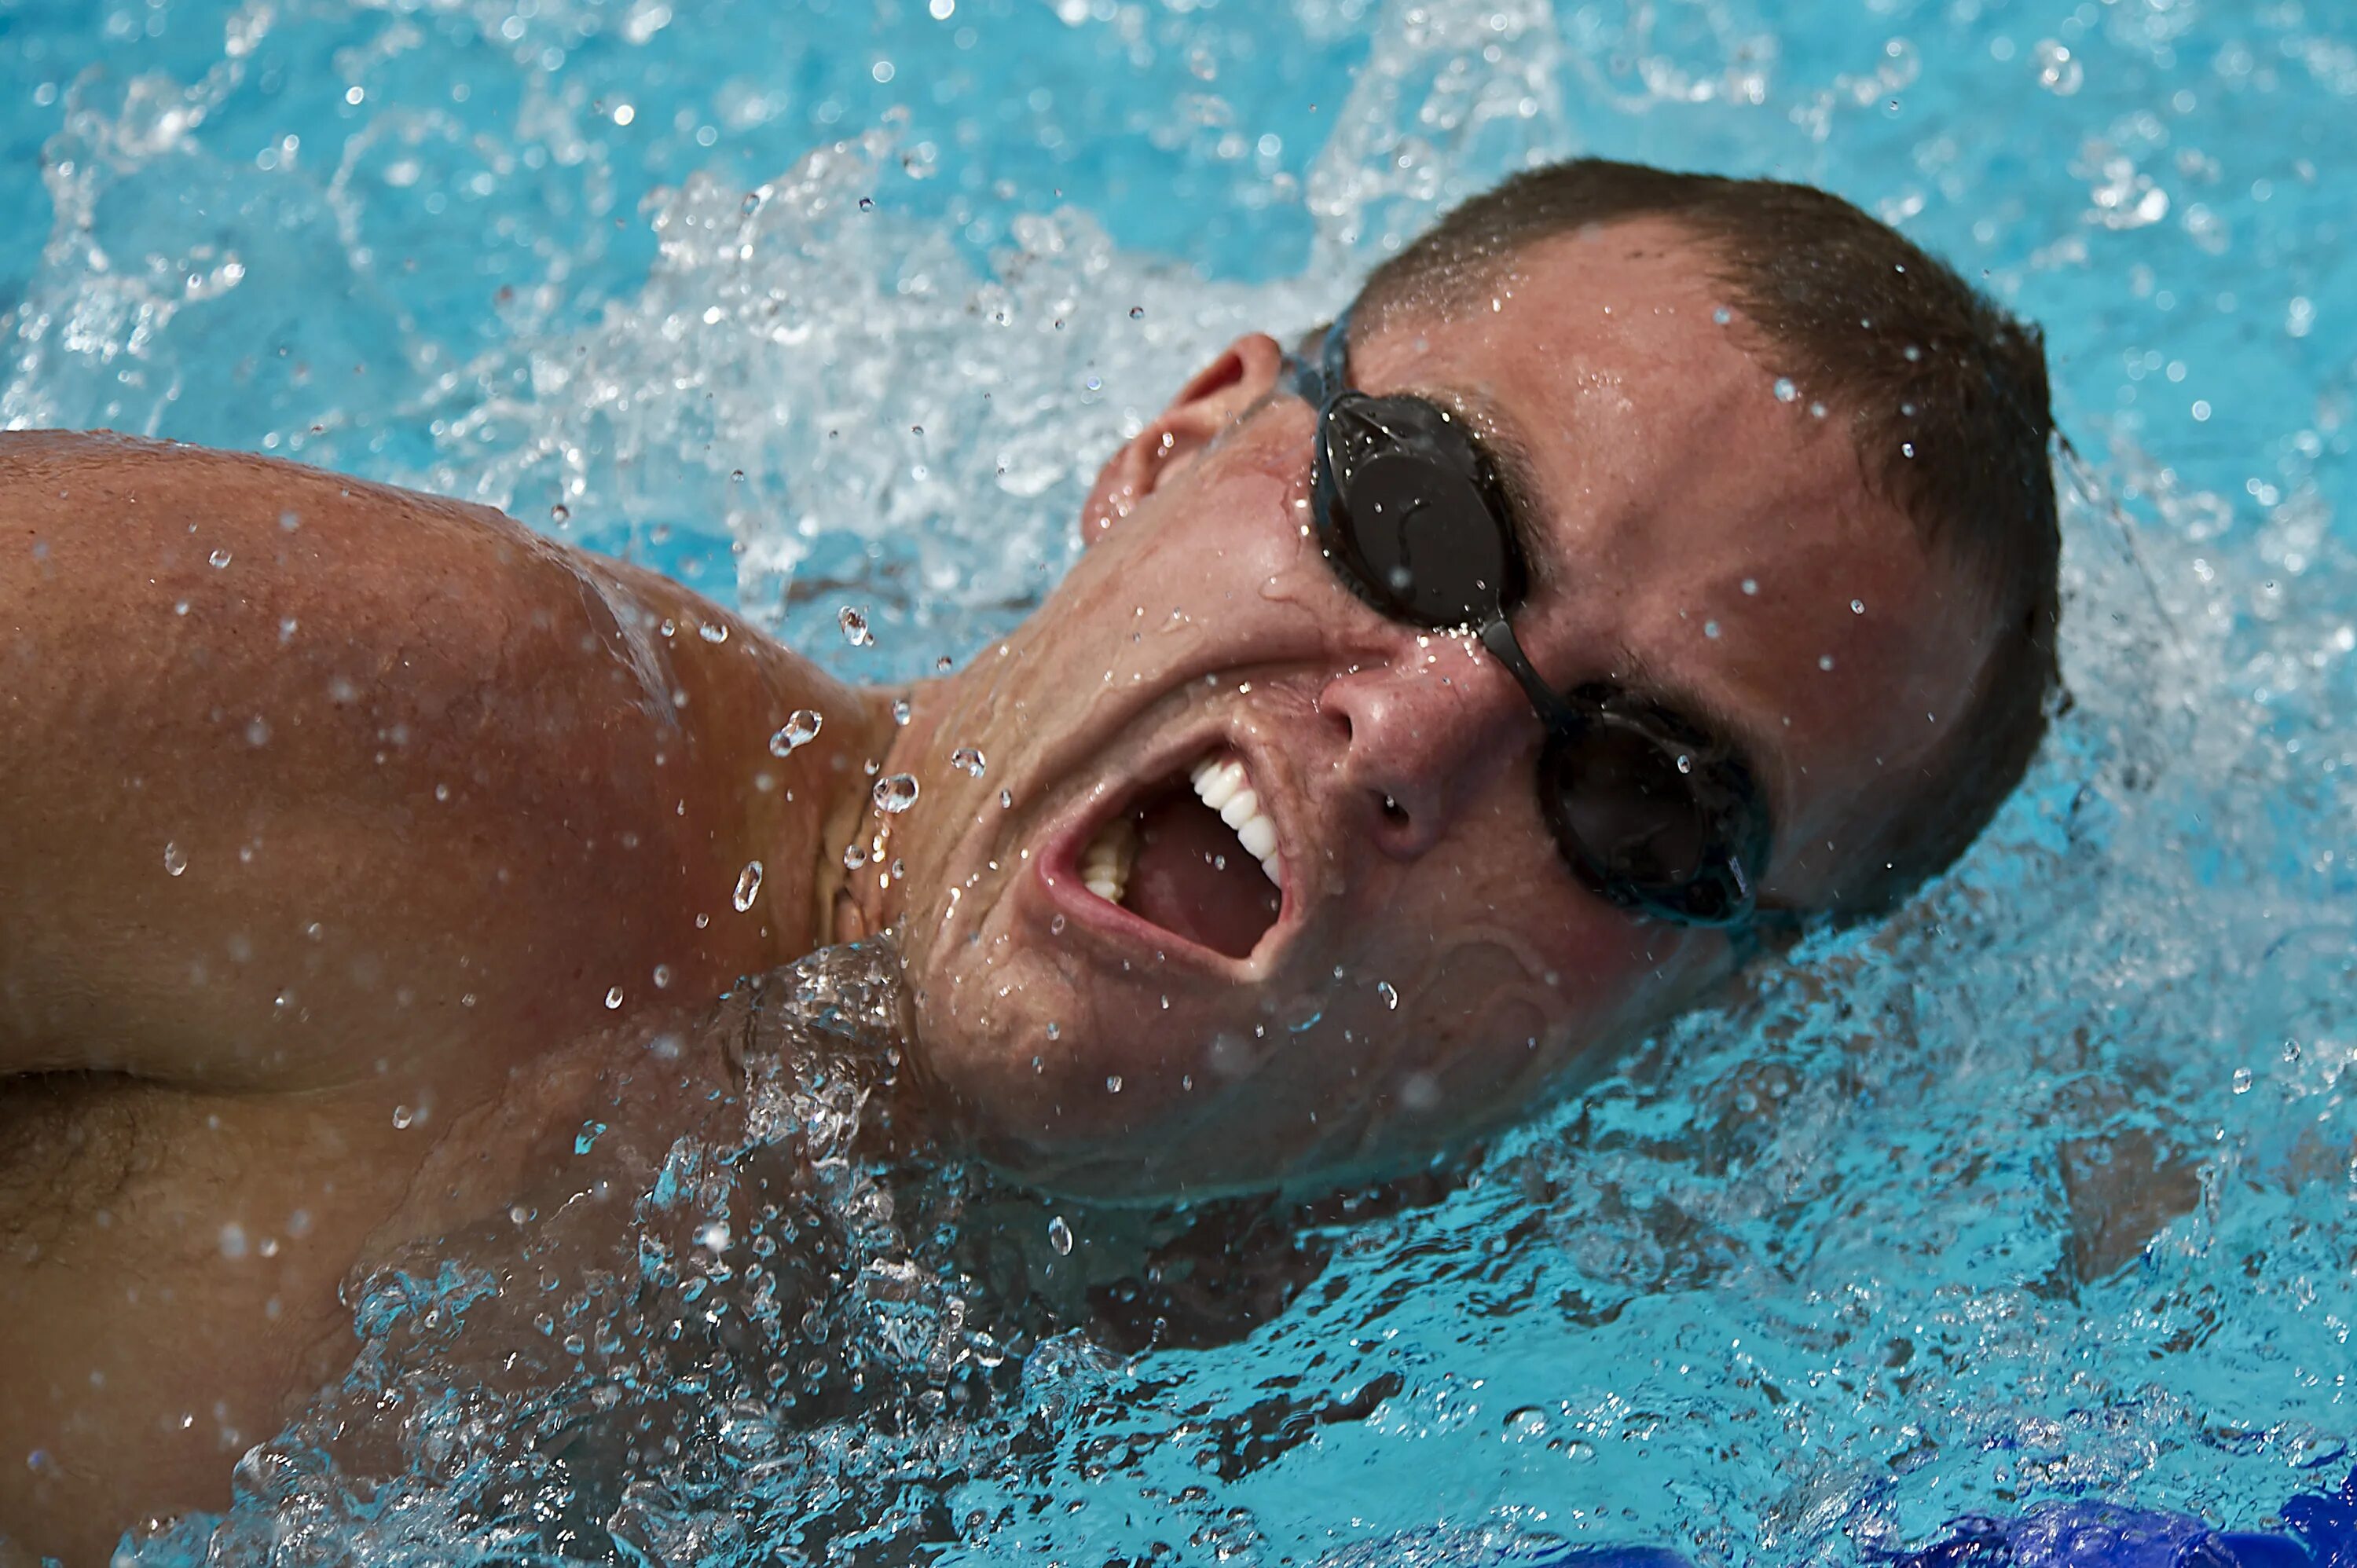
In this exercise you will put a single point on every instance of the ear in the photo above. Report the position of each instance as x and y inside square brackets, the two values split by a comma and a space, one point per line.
[1245, 371]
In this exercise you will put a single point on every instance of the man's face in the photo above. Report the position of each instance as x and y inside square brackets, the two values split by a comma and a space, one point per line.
[1700, 534]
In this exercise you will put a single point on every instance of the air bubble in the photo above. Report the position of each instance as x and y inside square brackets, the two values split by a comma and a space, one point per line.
[748, 886]
[800, 730]
[1059, 1236]
[854, 627]
[969, 759]
[895, 792]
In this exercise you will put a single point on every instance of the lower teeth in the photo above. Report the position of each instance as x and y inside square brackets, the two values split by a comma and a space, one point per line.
[1104, 868]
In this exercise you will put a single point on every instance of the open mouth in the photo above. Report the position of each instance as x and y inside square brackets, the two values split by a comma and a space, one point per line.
[1194, 854]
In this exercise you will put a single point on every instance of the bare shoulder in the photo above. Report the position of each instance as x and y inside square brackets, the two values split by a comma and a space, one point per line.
[304, 774]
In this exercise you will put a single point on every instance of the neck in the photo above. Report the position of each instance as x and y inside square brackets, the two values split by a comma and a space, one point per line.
[856, 901]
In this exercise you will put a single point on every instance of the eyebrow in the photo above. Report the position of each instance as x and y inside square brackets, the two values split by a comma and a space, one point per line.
[1750, 742]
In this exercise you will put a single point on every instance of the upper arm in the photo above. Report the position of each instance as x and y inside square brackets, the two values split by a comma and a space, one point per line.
[303, 778]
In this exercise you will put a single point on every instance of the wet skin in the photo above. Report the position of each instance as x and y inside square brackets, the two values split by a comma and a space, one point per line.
[494, 779]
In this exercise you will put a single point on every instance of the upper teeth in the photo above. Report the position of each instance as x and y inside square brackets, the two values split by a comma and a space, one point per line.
[1221, 786]
[1218, 784]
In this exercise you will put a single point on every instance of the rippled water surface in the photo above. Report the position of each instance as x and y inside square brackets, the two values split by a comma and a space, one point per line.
[2048, 1187]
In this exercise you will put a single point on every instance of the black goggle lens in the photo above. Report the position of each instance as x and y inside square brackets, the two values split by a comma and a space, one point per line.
[1645, 812]
[1402, 481]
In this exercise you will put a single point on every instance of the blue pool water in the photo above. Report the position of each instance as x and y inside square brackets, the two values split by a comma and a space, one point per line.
[2047, 1189]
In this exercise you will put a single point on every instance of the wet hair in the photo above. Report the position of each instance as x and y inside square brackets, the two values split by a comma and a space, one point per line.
[1946, 399]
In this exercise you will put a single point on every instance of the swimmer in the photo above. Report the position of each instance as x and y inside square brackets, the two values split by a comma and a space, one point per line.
[1650, 564]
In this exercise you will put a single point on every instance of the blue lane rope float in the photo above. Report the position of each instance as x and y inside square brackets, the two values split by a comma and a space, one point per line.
[2322, 1534]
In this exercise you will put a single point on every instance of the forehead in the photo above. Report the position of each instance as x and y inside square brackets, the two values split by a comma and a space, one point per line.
[1704, 527]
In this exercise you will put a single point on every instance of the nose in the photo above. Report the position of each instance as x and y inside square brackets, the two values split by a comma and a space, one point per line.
[1422, 733]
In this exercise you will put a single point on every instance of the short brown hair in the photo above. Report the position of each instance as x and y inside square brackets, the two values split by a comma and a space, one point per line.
[1946, 398]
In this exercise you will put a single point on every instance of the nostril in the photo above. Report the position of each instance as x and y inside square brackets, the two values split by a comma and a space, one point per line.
[1394, 814]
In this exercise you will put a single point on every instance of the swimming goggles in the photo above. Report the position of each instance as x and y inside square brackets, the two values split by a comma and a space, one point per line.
[1647, 809]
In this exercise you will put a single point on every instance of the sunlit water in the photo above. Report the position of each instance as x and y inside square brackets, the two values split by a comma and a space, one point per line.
[836, 305]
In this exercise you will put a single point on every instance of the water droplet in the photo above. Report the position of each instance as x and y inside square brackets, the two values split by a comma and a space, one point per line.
[944, 664]
[752, 201]
[1137, 313]
[257, 731]
[1710, 628]
[1857, 607]
[1750, 586]
[748, 886]
[613, 998]
[219, 558]
[1685, 763]
[403, 1116]
[736, 476]
[900, 711]
[175, 859]
[855, 856]
[800, 730]
[662, 977]
[968, 759]
[2057, 72]
[1824, 661]
[1722, 315]
[1383, 989]
[1785, 391]
[713, 631]
[1056, 927]
[868, 204]
[2241, 1081]
[559, 512]
[1059, 1236]
[855, 626]
[1907, 448]
[1006, 799]
[895, 792]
